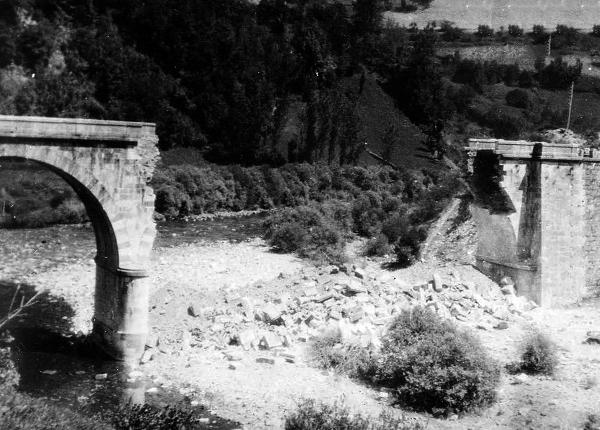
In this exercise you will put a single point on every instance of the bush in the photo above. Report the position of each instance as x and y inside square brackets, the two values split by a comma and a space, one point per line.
[312, 416]
[505, 124]
[329, 352]
[515, 31]
[434, 366]
[307, 231]
[558, 75]
[150, 417]
[539, 34]
[484, 31]
[592, 422]
[539, 355]
[367, 214]
[377, 246]
[450, 32]
[518, 98]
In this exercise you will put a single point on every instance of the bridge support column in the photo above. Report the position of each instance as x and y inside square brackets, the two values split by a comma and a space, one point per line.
[121, 311]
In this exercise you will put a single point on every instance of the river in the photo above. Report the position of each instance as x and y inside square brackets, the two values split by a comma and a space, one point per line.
[60, 366]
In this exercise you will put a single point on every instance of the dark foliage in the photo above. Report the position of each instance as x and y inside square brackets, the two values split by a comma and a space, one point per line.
[539, 355]
[312, 416]
[518, 98]
[153, 418]
[434, 366]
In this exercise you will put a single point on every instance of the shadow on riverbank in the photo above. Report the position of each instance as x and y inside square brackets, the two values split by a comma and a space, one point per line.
[67, 371]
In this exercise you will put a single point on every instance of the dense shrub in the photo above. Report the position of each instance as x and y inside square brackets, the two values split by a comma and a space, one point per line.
[328, 351]
[450, 32]
[312, 416]
[434, 366]
[408, 245]
[505, 124]
[558, 74]
[377, 246]
[539, 34]
[592, 422]
[518, 98]
[150, 417]
[307, 231]
[539, 355]
[484, 31]
[515, 30]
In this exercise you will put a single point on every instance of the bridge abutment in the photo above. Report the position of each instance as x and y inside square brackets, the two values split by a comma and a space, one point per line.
[538, 218]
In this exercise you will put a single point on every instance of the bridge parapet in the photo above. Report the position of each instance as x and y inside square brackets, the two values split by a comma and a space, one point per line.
[539, 150]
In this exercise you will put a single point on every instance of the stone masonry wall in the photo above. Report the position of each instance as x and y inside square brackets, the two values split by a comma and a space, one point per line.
[562, 259]
[592, 225]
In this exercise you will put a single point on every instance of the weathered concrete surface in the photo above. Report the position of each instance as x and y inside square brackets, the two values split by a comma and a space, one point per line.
[548, 239]
[108, 164]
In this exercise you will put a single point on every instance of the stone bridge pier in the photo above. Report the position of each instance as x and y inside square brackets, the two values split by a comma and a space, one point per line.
[109, 165]
[537, 209]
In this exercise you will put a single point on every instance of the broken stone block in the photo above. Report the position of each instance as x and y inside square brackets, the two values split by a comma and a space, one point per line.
[146, 356]
[233, 355]
[194, 311]
[265, 360]
[246, 338]
[502, 325]
[593, 337]
[313, 322]
[152, 341]
[360, 273]
[270, 340]
[311, 292]
[437, 283]
[290, 358]
[355, 314]
[353, 287]
[283, 299]
[270, 314]
[508, 290]
[324, 297]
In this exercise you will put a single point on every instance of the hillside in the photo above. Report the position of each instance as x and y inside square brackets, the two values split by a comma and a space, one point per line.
[469, 14]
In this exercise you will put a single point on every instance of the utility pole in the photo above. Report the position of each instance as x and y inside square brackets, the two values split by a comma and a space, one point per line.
[570, 103]
[549, 47]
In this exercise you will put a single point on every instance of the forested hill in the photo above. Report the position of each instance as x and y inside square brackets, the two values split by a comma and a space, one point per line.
[245, 83]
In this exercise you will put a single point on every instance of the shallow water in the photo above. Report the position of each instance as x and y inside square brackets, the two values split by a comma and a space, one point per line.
[59, 367]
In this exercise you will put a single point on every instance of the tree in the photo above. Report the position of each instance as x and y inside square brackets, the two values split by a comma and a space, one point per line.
[419, 91]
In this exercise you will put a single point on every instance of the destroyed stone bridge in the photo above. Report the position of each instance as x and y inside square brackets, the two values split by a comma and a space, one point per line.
[537, 209]
[108, 164]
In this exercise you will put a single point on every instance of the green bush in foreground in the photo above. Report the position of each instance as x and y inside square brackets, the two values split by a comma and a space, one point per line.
[149, 417]
[313, 416]
[434, 366]
[539, 355]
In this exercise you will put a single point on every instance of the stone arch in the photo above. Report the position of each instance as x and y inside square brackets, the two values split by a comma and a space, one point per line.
[108, 164]
[106, 242]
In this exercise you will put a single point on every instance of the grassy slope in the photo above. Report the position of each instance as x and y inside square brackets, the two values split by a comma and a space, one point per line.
[469, 14]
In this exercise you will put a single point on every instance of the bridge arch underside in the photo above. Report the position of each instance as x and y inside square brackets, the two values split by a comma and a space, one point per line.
[120, 321]
[107, 250]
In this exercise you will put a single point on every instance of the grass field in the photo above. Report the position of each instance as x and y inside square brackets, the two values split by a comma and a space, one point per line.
[468, 14]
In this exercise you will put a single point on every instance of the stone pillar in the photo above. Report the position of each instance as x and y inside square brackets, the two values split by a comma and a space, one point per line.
[121, 311]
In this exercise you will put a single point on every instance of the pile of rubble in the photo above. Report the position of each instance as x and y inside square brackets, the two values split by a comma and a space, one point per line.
[350, 300]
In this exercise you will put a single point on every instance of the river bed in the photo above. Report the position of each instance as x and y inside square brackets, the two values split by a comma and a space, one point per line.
[51, 361]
